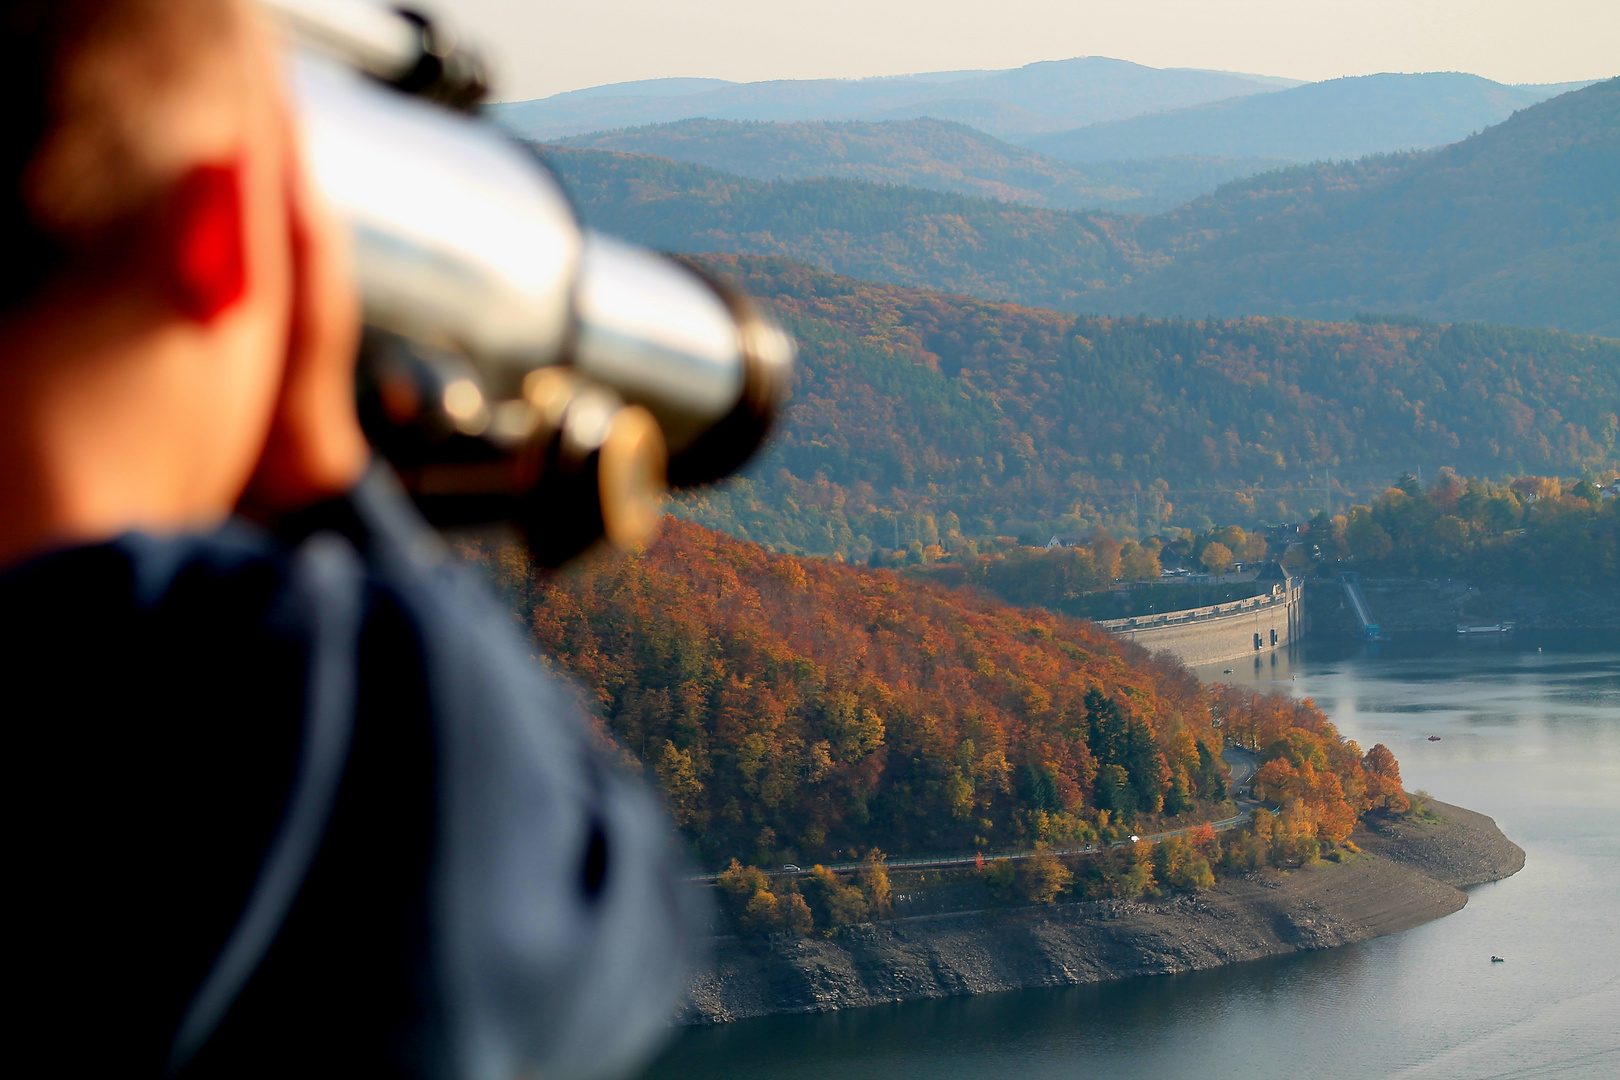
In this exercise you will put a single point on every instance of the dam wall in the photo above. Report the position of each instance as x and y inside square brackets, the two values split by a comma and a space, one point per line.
[1257, 626]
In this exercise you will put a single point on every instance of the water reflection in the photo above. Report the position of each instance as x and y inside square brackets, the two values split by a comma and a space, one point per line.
[1531, 738]
[1154, 1027]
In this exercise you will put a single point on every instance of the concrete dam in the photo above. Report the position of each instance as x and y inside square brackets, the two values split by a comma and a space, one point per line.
[1255, 626]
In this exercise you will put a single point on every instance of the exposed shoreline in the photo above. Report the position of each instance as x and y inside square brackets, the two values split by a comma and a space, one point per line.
[1411, 873]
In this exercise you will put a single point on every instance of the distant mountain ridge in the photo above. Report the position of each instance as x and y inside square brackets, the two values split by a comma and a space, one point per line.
[1144, 164]
[1519, 224]
[1324, 121]
[927, 153]
[1048, 96]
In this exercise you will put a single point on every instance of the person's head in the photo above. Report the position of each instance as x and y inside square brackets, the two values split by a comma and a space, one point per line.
[177, 328]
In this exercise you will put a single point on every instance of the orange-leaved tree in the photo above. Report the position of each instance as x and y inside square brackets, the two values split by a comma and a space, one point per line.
[800, 709]
[1317, 777]
[1384, 780]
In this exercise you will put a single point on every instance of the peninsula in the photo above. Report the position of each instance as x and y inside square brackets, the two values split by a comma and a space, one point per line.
[1409, 872]
[903, 790]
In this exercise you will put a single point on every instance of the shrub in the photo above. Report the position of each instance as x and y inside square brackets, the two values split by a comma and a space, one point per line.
[842, 905]
[999, 876]
[796, 914]
[874, 882]
[1137, 879]
[1179, 864]
[1042, 877]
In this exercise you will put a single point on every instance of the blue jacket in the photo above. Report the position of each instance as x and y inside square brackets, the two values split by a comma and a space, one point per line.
[304, 804]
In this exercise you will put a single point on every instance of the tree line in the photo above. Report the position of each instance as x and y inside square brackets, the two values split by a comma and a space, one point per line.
[1536, 530]
[802, 710]
[921, 417]
[1517, 223]
[1316, 786]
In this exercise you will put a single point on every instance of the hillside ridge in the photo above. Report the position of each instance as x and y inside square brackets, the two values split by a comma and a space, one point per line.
[994, 419]
[1330, 120]
[1049, 95]
[1518, 224]
[926, 153]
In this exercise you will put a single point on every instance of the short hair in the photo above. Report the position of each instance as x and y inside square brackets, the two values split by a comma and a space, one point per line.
[82, 82]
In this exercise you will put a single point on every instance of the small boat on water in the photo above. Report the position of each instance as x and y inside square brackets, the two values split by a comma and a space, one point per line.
[1434, 738]
[1497, 960]
[1485, 628]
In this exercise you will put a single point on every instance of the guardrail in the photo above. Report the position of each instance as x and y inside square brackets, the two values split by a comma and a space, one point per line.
[1012, 856]
[1279, 595]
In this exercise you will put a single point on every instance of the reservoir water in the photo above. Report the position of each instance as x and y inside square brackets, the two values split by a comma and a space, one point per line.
[1530, 737]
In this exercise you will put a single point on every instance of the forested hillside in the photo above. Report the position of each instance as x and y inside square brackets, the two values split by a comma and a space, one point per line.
[1321, 121]
[922, 417]
[931, 154]
[1519, 224]
[1052, 95]
[797, 710]
[957, 243]
[1531, 530]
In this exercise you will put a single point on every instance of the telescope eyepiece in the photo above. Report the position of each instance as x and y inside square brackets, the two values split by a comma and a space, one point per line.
[400, 47]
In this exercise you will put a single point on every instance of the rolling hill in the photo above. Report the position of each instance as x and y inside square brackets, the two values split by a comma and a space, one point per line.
[1324, 121]
[933, 154]
[910, 236]
[794, 709]
[918, 414]
[1048, 96]
[1518, 224]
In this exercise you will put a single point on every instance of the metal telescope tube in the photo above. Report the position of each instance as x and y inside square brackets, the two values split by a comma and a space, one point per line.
[464, 242]
[470, 259]
[460, 240]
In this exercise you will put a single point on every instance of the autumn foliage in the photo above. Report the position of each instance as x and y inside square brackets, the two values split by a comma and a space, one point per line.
[941, 419]
[1319, 781]
[760, 904]
[799, 709]
[1541, 530]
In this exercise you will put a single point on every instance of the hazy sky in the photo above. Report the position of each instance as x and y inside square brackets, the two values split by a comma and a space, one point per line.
[541, 47]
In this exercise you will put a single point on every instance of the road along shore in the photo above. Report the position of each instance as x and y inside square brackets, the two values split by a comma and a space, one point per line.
[1410, 872]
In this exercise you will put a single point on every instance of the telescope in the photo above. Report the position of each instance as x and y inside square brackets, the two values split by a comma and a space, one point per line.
[514, 365]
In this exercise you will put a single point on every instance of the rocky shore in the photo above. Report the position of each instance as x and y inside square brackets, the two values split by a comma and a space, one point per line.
[1410, 873]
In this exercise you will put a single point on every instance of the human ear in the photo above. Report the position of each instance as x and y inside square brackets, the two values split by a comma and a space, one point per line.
[207, 254]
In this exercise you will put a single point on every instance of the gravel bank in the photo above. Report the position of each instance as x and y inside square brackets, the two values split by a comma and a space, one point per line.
[1412, 873]
[1461, 849]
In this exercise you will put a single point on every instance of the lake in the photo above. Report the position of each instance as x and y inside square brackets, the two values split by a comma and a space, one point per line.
[1529, 730]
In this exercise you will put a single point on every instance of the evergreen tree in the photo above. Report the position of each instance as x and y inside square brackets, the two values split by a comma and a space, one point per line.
[1211, 784]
